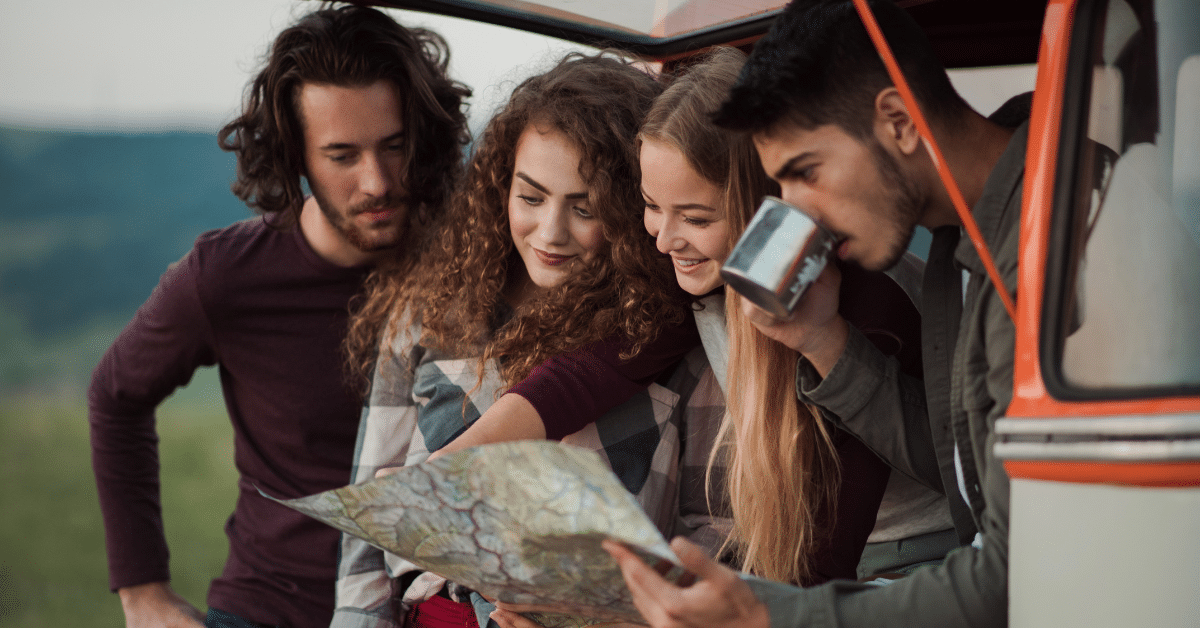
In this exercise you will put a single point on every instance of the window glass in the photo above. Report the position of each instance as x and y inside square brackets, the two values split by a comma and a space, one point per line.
[1129, 312]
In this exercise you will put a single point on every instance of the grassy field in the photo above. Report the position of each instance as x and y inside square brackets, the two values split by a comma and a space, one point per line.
[52, 560]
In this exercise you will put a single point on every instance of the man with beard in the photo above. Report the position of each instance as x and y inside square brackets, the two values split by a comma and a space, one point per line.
[361, 108]
[834, 132]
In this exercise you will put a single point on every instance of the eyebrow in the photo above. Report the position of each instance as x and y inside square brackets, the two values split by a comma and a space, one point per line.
[541, 188]
[700, 206]
[787, 165]
[347, 145]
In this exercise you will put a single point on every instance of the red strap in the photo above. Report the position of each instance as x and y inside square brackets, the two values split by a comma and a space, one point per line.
[960, 205]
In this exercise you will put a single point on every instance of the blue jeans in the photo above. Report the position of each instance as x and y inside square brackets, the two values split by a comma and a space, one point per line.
[218, 618]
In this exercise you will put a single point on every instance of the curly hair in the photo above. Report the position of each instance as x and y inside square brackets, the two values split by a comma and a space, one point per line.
[817, 66]
[596, 101]
[348, 46]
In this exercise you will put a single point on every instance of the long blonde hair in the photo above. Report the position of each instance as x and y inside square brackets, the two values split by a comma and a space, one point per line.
[783, 472]
[783, 469]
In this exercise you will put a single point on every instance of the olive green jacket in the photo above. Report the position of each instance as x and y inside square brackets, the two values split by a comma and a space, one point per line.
[968, 385]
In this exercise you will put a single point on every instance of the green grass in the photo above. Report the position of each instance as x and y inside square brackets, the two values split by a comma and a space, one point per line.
[52, 562]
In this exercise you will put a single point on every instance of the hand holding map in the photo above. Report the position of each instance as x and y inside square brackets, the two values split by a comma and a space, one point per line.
[520, 522]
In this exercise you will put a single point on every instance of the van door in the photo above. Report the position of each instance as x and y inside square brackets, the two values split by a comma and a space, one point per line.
[1102, 439]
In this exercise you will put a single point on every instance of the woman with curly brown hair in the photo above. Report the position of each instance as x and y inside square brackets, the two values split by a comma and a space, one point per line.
[518, 290]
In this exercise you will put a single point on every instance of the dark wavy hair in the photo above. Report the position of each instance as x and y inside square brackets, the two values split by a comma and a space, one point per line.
[817, 66]
[598, 102]
[350, 46]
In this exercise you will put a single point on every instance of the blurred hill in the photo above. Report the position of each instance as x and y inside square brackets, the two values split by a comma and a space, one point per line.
[88, 222]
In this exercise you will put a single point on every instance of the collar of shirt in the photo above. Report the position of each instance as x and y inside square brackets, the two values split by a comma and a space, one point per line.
[990, 210]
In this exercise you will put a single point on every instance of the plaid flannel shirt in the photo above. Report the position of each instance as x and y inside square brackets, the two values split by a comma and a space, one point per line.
[657, 443]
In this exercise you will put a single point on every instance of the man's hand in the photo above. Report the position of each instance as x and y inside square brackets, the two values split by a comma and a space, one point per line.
[717, 599]
[155, 605]
[815, 329]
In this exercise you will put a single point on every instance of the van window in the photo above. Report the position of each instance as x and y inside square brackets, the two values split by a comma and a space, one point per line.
[1124, 318]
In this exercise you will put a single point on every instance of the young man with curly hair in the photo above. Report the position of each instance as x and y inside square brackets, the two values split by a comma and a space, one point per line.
[361, 108]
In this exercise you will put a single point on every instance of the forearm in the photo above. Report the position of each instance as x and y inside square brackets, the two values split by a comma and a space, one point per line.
[968, 589]
[868, 395]
[571, 390]
[124, 448]
[157, 352]
[511, 418]
[127, 482]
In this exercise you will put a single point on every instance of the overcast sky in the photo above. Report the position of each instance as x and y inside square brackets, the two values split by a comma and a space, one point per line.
[169, 64]
[154, 64]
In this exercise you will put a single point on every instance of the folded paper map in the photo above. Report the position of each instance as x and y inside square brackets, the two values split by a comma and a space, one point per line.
[520, 522]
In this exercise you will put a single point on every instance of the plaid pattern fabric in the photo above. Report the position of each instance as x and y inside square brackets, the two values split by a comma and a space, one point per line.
[657, 443]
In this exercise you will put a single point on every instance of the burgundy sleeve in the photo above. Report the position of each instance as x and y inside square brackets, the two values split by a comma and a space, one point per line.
[156, 352]
[879, 308]
[570, 391]
[864, 479]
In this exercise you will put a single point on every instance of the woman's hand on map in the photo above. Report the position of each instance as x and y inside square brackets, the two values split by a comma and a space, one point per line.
[387, 471]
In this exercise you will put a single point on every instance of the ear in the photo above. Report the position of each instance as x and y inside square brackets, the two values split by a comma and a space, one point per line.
[893, 124]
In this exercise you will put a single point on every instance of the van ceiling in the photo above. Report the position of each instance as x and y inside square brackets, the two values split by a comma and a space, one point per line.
[966, 33]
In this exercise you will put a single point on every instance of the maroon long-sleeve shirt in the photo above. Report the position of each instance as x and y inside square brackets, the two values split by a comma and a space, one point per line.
[265, 308]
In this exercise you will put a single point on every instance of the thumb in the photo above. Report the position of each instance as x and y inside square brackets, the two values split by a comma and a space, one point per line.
[695, 560]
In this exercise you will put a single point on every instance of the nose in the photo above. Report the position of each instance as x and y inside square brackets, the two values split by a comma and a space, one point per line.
[375, 179]
[798, 196]
[668, 239]
[790, 194]
[552, 227]
[650, 219]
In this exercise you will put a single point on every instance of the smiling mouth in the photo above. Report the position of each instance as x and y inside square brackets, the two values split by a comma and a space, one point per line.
[686, 265]
[552, 259]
